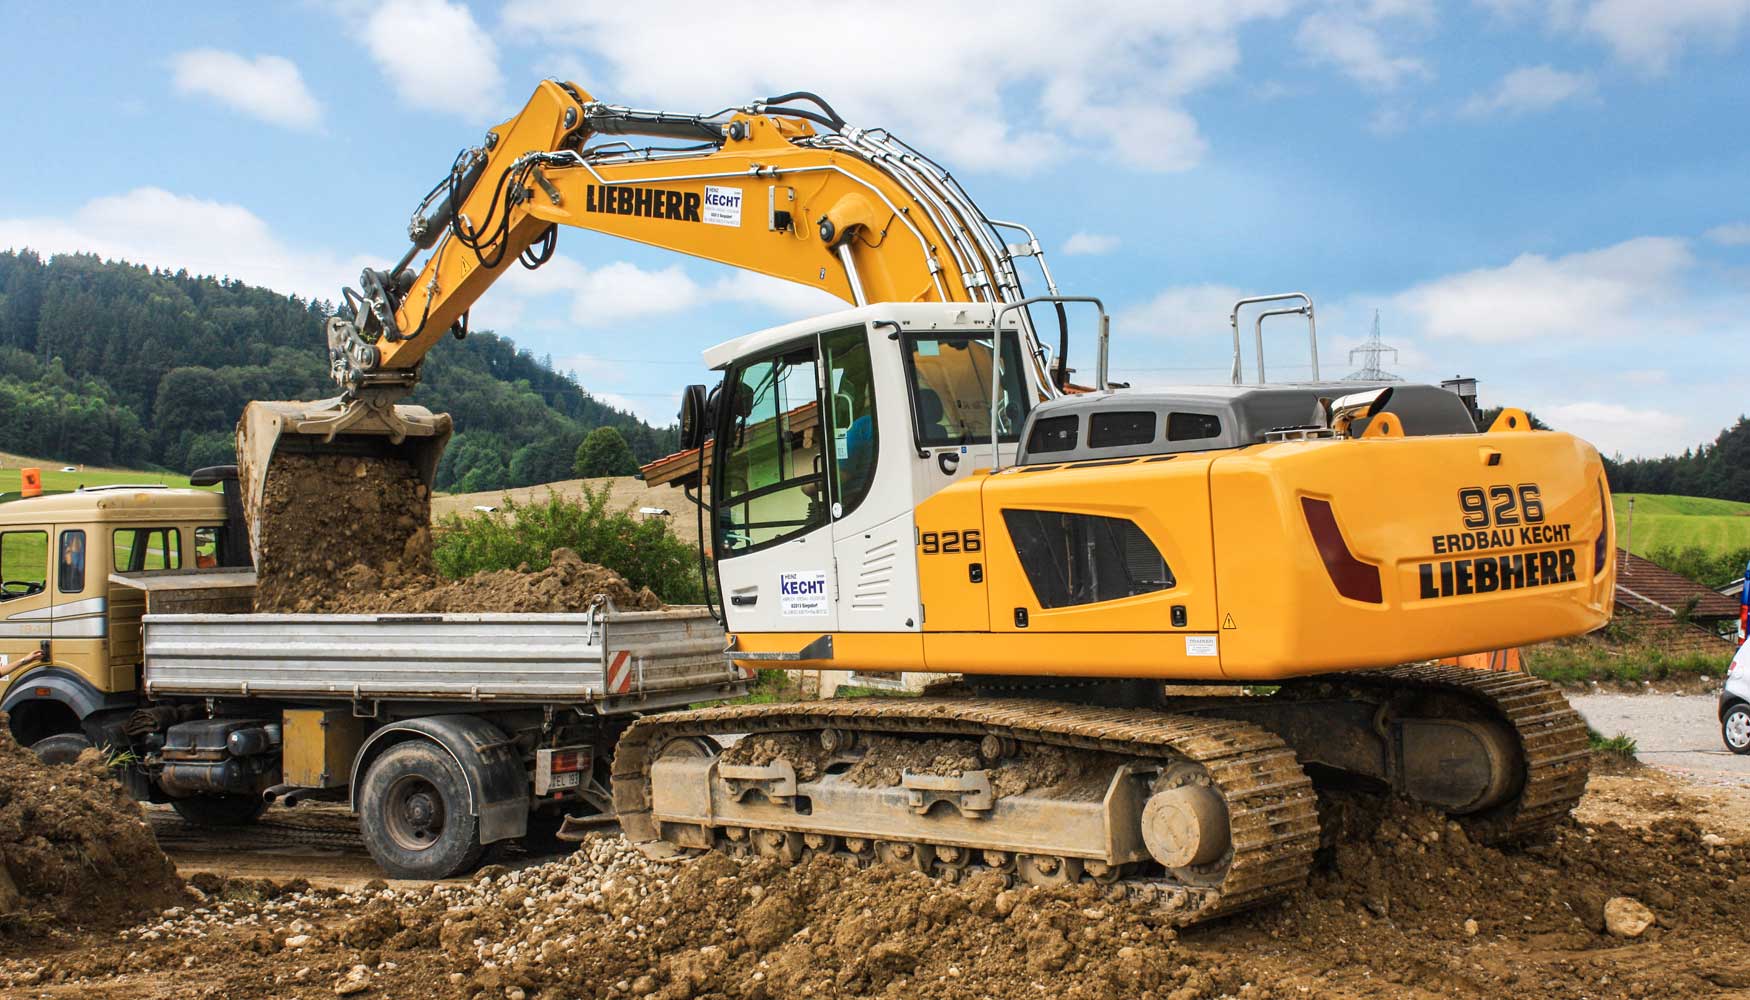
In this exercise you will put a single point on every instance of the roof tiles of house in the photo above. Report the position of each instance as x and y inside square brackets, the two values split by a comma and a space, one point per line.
[1644, 587]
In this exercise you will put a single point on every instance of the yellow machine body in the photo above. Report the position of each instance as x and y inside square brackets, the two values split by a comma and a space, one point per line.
[1254, 597]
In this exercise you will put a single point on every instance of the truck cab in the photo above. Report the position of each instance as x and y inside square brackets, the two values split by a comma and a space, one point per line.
[70, 646]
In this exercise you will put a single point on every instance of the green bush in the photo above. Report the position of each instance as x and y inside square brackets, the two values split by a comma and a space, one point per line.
[646, 553]
[1621, 745]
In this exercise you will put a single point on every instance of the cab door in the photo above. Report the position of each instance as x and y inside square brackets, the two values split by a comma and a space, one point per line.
[871, 479]
[771, 502]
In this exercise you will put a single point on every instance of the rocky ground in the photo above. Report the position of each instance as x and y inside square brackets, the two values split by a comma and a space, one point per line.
[1638, 897]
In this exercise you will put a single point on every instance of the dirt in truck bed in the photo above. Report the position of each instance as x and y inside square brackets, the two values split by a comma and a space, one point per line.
[343, 534]
[75, 851]
[1631, 902]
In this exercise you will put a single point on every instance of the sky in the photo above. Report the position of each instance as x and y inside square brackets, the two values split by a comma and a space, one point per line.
[1550, 196]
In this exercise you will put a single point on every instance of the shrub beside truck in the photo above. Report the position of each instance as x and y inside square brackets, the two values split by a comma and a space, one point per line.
[126, 624]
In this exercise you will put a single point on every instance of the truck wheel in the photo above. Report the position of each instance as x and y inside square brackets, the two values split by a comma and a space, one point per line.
[1734, 729]
[414, 813]
[220, 810]
[62, 749]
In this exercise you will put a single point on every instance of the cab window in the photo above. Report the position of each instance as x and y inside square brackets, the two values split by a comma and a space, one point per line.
[850, 384]
[206, 546]
[771, 476]
[24, 563]
[950, 378]
[139, 549]
[71, 578]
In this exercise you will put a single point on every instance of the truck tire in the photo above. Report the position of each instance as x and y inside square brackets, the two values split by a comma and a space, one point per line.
[220, 810]
[414, 813]
[62, 749]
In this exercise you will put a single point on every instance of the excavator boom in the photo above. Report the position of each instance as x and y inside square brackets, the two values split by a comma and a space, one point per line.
[782, 187]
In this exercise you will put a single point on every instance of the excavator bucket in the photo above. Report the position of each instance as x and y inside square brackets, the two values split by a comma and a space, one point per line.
[270, 430]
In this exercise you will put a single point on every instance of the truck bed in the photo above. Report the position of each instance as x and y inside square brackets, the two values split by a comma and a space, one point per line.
[610, 660]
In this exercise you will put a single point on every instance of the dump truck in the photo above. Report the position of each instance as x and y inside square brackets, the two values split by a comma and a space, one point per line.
[127, 625]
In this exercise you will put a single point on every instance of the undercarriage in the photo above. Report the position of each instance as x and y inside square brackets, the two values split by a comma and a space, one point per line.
[1201, 806]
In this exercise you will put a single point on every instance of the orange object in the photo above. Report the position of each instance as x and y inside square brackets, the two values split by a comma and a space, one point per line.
[33, 483]
[1494, 659]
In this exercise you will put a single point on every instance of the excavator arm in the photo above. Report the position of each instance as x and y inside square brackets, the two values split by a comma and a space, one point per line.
[783, 187]
[854, 213]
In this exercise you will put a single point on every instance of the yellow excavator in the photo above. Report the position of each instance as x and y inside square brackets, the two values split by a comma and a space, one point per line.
[914, 484]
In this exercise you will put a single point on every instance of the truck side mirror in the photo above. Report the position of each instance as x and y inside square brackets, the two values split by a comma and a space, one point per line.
[695, 418]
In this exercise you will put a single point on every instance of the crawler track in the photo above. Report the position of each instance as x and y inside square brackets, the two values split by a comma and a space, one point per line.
[1270, 801]
[1552, 737]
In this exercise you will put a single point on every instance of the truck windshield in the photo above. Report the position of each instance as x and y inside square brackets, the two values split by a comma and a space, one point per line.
[950, 386]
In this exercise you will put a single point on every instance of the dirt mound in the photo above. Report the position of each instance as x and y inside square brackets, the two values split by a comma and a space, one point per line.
[381, 559]
[1404, 906]
[74, 849]
[568, 584]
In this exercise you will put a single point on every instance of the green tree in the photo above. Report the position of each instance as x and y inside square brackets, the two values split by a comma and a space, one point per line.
[545, 461]
[604, 453]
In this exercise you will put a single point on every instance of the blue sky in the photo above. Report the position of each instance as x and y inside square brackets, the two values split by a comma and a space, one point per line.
[1552, 196]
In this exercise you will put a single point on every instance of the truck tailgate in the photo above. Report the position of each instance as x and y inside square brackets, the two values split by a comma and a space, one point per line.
[620, 660]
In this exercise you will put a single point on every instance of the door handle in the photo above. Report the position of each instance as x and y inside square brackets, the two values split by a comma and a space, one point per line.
[744, 600]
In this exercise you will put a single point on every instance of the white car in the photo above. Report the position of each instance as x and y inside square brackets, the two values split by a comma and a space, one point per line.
[69, 468]
[1735, 703]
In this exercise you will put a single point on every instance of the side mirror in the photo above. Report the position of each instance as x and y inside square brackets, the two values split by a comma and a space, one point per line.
[695, 417]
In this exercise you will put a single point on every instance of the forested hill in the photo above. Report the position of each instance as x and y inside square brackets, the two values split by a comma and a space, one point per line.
[109, 363]
[1720, 470]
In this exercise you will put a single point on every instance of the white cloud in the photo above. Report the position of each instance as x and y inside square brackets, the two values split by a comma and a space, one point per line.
[1090, 244]
[1649, 35]
[1528, 89]
[1355, 47]
[1184, 311]
[1616, 429]
[1646, 34]
[437, 57]
[655, 410]
[1619, 291]
[786, 300]
[620, 292]
[1734, 234]
[155, 227]
[267, 87]
[1012, 93]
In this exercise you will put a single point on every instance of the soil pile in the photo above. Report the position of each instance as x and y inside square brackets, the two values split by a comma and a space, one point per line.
[1405, 906]
[74, 849]
[322, 514]
[567, 584]
[348, 535]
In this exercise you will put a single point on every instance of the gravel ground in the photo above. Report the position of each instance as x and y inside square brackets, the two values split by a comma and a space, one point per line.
[1676, 732]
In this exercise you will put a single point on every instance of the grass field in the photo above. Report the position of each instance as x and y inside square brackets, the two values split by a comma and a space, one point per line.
[1678, 522]
[54, 479]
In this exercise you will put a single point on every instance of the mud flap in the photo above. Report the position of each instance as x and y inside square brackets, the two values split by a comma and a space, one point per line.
[498, 782]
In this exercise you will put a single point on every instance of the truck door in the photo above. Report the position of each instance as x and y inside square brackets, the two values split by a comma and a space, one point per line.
[771, 499]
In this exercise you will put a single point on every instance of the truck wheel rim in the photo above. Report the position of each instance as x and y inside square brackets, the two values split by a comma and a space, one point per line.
[1738, 729]
[415, 815]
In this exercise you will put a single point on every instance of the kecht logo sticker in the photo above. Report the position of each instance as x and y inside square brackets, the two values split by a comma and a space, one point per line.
[723, 206]
[802, 593]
